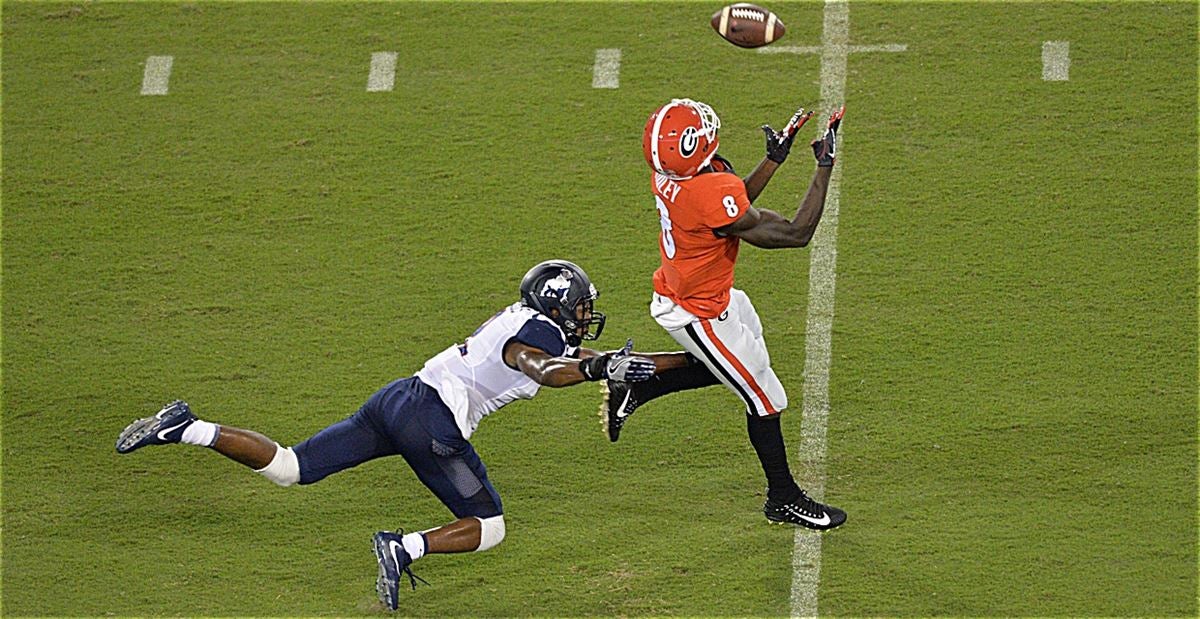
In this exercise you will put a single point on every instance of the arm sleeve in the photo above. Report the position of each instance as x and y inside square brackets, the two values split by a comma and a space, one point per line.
[725, 201]
[542, 335]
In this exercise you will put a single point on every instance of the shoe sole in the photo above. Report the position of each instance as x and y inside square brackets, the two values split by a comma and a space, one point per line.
[810, 527]
[383, 584]
[605, 424]
[131, 437]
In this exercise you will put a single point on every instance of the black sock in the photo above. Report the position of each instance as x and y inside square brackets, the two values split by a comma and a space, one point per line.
[692, 376]
[767, 438]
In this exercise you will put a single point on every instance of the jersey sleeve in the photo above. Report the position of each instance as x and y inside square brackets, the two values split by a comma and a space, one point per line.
[724, 201]
[542, 335]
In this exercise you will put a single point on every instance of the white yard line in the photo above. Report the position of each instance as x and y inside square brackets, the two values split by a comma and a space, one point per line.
[817, 49]
[607, 71]
[383, 72]
[822, 274]
[1056, 61]
[157, 75]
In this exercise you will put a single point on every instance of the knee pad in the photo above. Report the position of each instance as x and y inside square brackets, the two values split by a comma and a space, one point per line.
[284, 468]
[492, 532]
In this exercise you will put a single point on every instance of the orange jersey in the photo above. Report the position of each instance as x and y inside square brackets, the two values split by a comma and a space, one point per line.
[697, 265]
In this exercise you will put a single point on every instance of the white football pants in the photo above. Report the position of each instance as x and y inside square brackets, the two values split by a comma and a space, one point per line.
[732, 347]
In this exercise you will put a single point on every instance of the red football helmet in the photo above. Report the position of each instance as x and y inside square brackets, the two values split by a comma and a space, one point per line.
[681, 138]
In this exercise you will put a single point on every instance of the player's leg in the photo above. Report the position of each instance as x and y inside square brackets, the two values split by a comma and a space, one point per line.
[451, 468]
[734, 349]
[621, 399]
[342, 445]
[428, 438]
[730, 352]
[176, 423]
[245, 446]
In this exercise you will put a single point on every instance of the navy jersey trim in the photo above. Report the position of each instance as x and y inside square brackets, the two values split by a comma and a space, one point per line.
[542, 335]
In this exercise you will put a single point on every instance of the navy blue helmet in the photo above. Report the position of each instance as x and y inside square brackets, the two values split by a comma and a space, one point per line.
[563, 286]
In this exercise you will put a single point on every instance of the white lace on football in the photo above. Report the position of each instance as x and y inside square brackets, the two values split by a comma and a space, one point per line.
[745, 13]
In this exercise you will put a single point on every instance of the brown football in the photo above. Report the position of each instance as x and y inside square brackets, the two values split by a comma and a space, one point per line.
[747, 25]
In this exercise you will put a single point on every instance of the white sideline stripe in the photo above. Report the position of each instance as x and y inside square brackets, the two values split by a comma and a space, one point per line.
[383, 72]
[822, 274]
[1056, 61]
[607, 71]
[817, 49]
[157, 75]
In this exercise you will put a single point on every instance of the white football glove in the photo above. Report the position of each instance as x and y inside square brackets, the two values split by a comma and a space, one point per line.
[624, 367]
[619, 366]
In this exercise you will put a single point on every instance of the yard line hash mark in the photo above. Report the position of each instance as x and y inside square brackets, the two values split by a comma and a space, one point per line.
[1056, 61]
[817, 49]
[157, 75]
[383, 72]
[835, 48]
[607, 71]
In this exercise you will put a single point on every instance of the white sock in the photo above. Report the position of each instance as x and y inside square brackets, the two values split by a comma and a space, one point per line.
[415, 545]
[201, 433]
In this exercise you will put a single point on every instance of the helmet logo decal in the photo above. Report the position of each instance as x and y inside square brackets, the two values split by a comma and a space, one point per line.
[558, 287]
[688, 142]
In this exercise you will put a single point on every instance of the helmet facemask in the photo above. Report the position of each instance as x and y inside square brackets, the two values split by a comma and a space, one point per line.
[578, 329]
[710, 123]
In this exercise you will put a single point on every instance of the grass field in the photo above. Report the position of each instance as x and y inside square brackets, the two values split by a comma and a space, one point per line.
[1013, 388]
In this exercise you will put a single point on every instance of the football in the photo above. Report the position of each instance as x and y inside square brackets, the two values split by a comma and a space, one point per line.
[747, 25]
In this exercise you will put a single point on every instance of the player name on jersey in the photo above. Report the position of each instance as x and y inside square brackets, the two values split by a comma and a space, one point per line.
[667, 187]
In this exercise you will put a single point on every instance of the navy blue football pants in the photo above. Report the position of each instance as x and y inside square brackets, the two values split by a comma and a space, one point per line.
[406, 418]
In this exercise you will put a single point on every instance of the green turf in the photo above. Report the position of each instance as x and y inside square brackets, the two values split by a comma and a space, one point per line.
[1013, 424]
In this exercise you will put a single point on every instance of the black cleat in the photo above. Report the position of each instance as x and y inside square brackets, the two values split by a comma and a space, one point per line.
[393, 561]
[162, 428]
[619, 404]
[805, 512]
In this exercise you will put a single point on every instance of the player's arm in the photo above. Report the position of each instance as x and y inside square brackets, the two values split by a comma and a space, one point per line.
[550, 371]
[779, 144]
[768, 229]
[663, 361]
[757, 180]
[543, 368]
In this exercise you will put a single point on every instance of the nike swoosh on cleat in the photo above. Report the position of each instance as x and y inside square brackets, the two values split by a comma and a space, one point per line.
[621, 409]
[822, 521]
[392, 546]
[162, 433]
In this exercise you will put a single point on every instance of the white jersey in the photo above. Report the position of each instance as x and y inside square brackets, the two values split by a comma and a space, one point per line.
[472, 378]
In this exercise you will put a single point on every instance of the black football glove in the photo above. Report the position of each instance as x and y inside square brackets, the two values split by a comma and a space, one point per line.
[619, 366]
[825, 149]
[779, 143]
